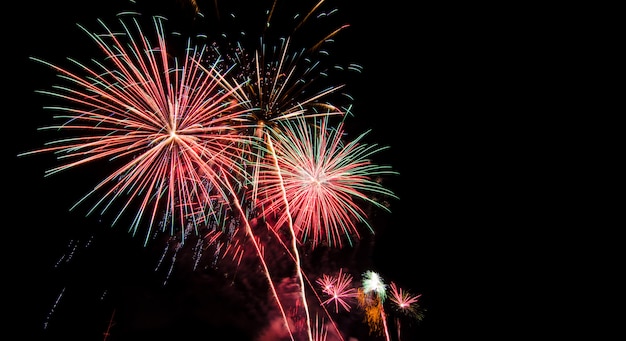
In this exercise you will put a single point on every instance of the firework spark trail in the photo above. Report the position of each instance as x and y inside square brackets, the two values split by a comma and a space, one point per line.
[386, 328]
[259, 252]
[107, 332]
[294, 240]
[278, 82]
[305, 277]
[54, 306]
[320, 331]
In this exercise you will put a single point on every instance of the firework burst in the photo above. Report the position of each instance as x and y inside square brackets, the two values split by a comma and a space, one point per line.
[324, 179]
[404, 301]
[405, 304]
[339, 289]
[168, 126]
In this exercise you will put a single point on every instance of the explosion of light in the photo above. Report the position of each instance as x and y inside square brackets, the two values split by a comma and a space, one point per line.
[406, 304]
[325, 181]
[339, 288]
[402, 299]
[373, 283]
[171, 130]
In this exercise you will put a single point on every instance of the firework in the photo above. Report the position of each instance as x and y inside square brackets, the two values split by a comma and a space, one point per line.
[310, 186]
[402, 299]
[338, 288]
[325, 181]
[373, 283]
[406, 304]
[275, 89]
[195, 141]
[371, 297]
[168, 128]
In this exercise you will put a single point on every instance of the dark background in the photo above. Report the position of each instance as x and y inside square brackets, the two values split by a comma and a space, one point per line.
[419, 62]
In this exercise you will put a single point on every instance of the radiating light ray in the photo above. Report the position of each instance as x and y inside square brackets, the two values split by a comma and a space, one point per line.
[259, 251]
[107, 332]
[329, 36]
[305, 277]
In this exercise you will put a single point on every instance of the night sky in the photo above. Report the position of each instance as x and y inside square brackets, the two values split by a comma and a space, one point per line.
[405, 95]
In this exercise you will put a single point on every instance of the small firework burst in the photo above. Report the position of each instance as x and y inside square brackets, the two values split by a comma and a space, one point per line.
[339, 289]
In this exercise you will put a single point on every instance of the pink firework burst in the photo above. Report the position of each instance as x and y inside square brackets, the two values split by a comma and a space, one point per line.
[319, 182]
[167, 127]
[339, 289]
[403, 300]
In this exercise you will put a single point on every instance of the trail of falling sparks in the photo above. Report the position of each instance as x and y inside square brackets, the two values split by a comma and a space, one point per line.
[273, 230]
[54, 306]
[294, 239]
[325, 179]
[262, 260]
[107, 332]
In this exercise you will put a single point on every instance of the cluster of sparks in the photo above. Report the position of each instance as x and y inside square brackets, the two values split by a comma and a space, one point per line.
[216, 143]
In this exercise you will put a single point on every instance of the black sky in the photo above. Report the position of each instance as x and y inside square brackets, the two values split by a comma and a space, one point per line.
[407, 95]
